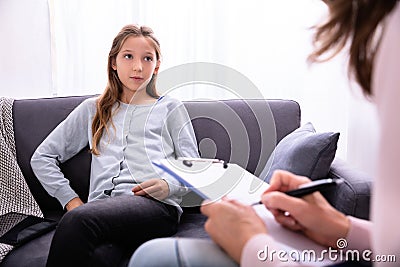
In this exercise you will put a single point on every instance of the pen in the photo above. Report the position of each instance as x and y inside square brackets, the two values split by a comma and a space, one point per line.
[200, 159]
[311, 187]
[189, 161]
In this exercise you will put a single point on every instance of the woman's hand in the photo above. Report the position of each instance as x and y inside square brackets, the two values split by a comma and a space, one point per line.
[231, 224]
[73, 203]
[311, 214]
[155, 188]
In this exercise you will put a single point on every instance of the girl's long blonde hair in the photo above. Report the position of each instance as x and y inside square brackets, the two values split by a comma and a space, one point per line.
[113, 91]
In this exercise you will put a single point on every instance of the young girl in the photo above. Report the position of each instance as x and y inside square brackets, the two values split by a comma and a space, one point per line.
[127, 127]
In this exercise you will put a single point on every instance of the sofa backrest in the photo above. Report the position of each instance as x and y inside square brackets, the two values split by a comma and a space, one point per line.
[239, 131]
[244, 132]
[33, 120]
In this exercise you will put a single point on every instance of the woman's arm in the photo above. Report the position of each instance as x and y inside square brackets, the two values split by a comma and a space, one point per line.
[65, 141]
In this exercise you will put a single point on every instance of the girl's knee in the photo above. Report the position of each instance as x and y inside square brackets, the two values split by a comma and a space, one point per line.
[156, 253]
[74, 218]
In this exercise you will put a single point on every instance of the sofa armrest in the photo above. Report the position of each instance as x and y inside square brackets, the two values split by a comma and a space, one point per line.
[353, 196]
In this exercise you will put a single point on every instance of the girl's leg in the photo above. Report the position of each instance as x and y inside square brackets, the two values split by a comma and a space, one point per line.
[190, 252]
[127, 220]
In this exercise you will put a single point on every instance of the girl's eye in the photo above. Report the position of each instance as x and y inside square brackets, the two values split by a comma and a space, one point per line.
[148, 59]
[128, 56]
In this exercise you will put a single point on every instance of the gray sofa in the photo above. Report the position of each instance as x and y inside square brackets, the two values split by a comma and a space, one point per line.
[34, 119]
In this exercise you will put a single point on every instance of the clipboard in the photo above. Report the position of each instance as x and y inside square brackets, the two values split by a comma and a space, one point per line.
[213, 179]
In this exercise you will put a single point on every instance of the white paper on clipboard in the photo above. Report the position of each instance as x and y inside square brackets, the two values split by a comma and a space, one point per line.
[212, 181]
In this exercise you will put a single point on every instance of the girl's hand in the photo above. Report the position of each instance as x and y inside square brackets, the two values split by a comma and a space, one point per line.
[231, 224]
[155, 188]
[311, 214]
[73, 203]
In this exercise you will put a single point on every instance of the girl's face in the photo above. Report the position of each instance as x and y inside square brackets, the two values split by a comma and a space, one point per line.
[135, 64]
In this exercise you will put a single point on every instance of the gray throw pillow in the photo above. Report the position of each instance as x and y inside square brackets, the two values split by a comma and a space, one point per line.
[303, 152]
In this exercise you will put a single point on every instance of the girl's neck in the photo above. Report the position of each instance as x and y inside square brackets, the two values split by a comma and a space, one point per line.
[138, 98]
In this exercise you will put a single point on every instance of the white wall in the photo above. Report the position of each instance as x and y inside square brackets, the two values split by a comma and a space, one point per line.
[25, 65]
[363, 134]
[326, 100]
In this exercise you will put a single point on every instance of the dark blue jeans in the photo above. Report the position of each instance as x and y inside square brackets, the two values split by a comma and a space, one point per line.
[126, 221]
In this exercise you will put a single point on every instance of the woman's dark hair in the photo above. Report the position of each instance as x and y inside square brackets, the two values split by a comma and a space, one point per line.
[357, 21]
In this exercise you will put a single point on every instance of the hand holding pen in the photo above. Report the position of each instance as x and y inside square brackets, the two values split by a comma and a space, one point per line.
[308, 212]
[311, 187]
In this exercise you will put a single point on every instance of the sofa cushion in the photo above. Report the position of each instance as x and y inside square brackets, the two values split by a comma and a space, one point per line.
[303, 152]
